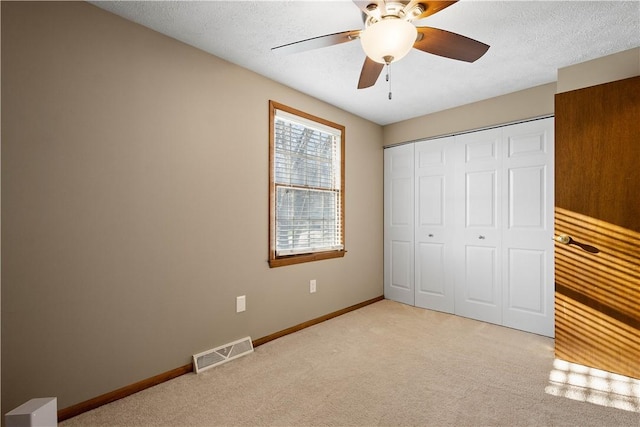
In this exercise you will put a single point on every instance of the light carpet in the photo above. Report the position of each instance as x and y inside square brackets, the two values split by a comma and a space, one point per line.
[387, 364]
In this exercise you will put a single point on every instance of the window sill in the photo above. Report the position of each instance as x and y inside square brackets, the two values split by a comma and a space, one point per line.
[298, 259]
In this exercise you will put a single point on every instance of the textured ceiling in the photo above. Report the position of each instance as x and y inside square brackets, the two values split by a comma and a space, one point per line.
[530, 41]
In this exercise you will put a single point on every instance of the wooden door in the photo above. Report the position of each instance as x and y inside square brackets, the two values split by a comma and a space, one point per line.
[597, 271]
[433, 224]
[478, 281]
[398, 224]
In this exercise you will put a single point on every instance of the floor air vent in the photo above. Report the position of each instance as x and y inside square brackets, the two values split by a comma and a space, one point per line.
[219, 355]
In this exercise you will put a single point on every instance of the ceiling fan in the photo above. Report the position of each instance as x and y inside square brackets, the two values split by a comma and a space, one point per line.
[389, 34]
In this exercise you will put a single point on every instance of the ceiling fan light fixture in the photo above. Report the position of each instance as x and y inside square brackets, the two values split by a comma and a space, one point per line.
[389, 39]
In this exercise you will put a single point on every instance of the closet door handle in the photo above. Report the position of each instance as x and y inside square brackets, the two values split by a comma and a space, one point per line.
[430, 235]
[481, 237]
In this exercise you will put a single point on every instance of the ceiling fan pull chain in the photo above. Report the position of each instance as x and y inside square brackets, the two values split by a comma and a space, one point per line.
[388, 79]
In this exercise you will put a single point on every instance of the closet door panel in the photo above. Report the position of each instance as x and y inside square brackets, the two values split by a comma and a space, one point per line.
[477, 226]
[433, 230]
[430, 201]
[526, 209]
[525, 274]
[480, 199]
[400, 254]
[399, 224]
[527, 236]
[481, 275]
[430, 263]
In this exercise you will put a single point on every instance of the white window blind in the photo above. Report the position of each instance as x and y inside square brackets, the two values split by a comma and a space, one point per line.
[307, 181]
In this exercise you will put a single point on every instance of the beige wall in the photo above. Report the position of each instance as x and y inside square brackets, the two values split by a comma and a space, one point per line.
[134, 195]
[610, 68]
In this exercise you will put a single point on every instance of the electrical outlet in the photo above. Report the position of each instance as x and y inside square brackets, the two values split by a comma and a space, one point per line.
[312, 286]
[241, 303]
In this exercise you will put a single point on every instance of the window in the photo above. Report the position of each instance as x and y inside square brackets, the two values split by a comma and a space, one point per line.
[306, 187]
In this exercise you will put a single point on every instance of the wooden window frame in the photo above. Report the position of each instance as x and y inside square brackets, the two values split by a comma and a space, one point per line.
[282, 260]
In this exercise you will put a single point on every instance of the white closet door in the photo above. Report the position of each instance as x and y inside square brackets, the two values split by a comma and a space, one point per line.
[433, 224]
[478, 288]
[527, 193]
[399, 224]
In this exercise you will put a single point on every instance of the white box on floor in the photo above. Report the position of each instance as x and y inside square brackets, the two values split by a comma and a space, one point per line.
[40, 412]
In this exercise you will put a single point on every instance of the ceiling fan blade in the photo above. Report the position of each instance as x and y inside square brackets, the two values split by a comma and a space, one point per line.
[369, 74]
[450, 45]
[317, 42]
[431, 7]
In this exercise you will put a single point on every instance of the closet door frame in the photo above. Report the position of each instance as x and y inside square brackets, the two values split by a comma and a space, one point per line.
[468, 225]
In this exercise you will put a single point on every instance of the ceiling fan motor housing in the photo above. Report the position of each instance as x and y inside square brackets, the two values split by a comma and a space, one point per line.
[375, 13]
